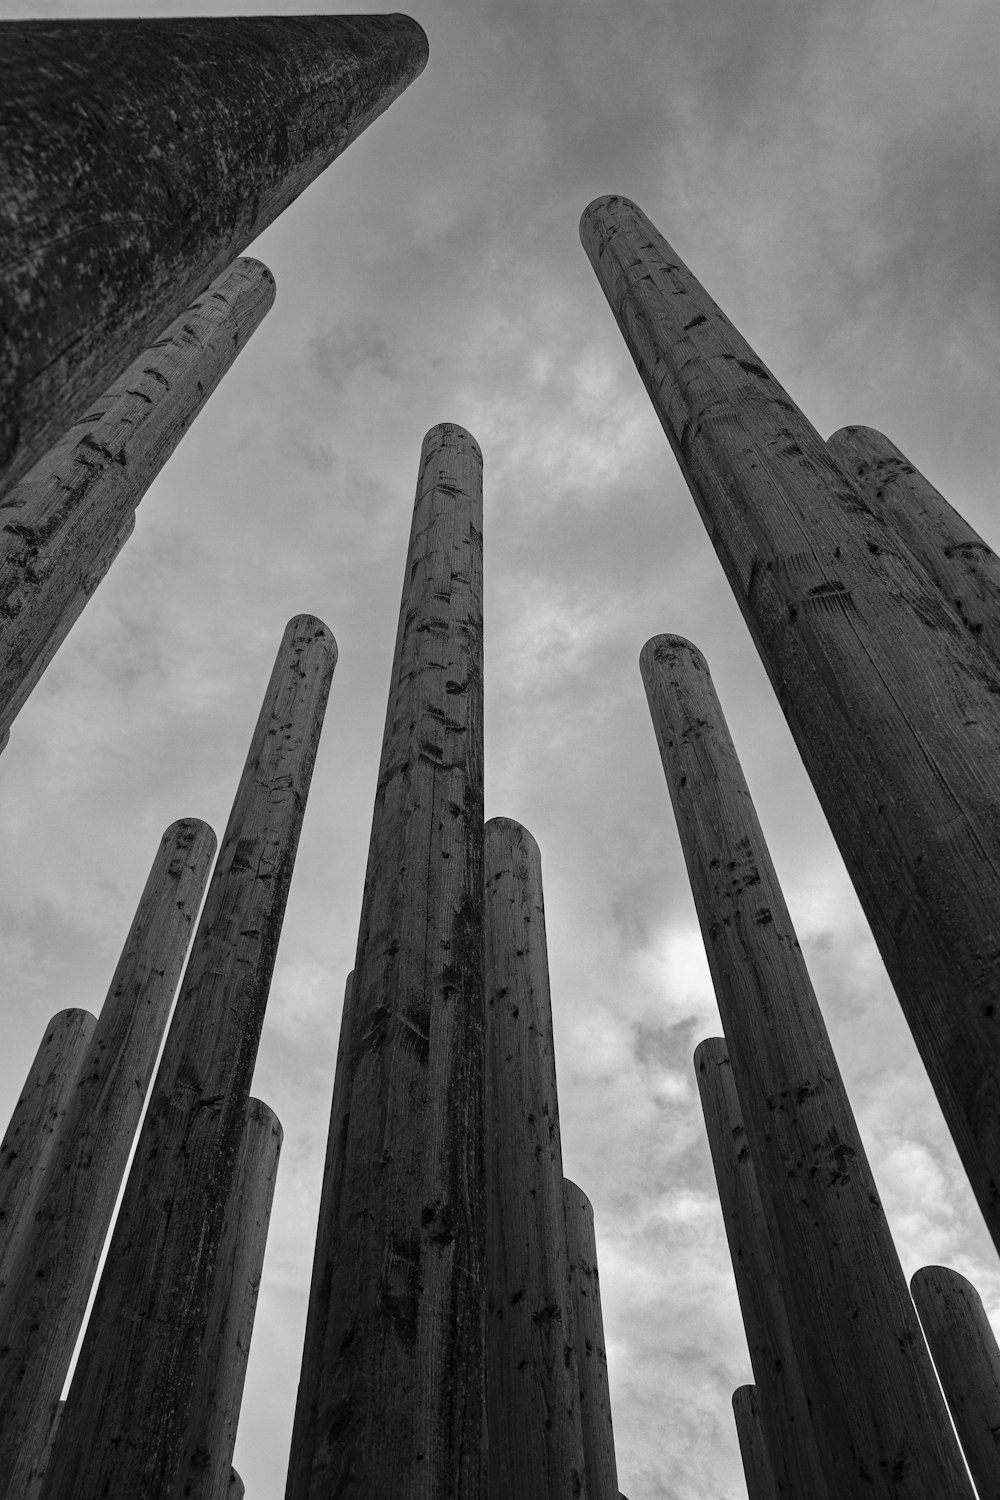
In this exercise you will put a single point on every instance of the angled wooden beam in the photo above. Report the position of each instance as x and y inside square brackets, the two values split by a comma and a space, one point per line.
[964, 568]
[31, 1136]
[965, 1352]
[894, 709]
[64, 523]
[191, 136]
[129, 1404]
[753, 1445]
[401, 1384]
[592, 1361]
[205, 1470]
[877, 1408]
[532, 1379]
[51, 1272]
[782, 1401]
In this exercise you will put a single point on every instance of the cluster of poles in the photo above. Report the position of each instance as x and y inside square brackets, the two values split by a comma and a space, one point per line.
[454, 1344]
[874, 607]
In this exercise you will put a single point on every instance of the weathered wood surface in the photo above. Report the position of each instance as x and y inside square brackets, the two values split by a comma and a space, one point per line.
[753, 1445]
[304, 1428]
[965, 569]
[965, 1352]
[880, 1423]
[63, 525]
[34, 1126]
[592, 1361]
[401, 1395]
[532, 1376]
[123, 1429]
[192, 135]
[43, 1302]
[895, 710]
[236, 1490]
[783, 1400]
[206, 1467]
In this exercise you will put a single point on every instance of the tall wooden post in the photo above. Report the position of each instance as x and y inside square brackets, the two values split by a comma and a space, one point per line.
[54, 1259]
[592, 1361]
[123, 1429]
[532, 1379]
[191, 135]
[62, 526]
[881, 1426]
[894, 709]
[38, 1115]
[965, 569]
[236, 1489]
[399, 1395]
[304, 1429]
[965, 1352]
[783, 1400]
[204, 1473]
[753, 1445]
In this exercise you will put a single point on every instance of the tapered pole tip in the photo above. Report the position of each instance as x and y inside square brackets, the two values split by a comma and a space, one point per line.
[511, 831]
[450, 432]
[311, 627]
[191, 831]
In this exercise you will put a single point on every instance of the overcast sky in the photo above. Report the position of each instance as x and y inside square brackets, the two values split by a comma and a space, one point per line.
[830, 172]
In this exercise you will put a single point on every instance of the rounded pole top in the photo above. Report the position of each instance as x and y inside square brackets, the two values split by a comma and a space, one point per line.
[662, 647]
[711, 1049]
[454, 432]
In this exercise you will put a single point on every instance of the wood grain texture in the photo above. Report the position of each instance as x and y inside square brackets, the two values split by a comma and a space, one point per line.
[122, 1433]
[400, 1404]
[206, 1468]
[965, 570]
[965, 1352]
[592, 1361]
[532, 1376]
[236, 1489]
[43, 1302]
[63, 525]
[38, 1115]
[796, 1469]
[753, 1446]
[304, 1426]
[192, 135]
[880, 1423]
[895, 710]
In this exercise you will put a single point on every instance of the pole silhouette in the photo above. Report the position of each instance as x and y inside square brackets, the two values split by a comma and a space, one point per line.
[123, 1429]
[880, 1423]
[894, 709]
[965, 1352]
[532, 1378]
[781, 1400]
[34, 1125]
[592, 1361]
[400, 1387]
[191, 135]
[52, 1269]
[753, 1447]
[63, 525]
[964, 568]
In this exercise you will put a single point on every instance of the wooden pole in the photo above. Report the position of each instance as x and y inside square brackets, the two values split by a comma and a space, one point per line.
[964, 568]
[585, 1299]
[753, 1447]
[62, 526]
[225, 1347]
[895, 711]
[783, 1400]
[191, 135]
[880, 1423]
[236, 1490]
[52, 1269]
[532, 1378]
[123, 1429]
[35, 1123]
[304, 1426]
[401, 1385]
[964, 1348]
